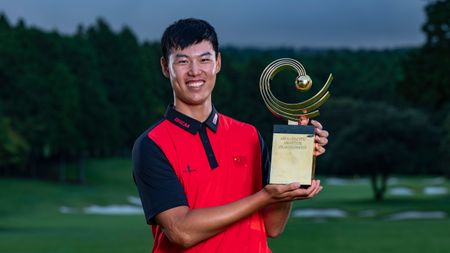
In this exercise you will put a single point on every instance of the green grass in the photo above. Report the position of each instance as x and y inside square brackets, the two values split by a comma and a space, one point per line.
[30, 220]
[368, 234]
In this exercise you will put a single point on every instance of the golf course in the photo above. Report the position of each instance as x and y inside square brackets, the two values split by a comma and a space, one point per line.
[104, 216]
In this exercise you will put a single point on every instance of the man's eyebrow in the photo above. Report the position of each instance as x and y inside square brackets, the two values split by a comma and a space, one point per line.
[206, 54]
[181, 56]
[186, 56]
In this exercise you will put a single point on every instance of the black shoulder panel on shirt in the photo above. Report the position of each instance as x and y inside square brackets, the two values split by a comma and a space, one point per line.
[157, 183]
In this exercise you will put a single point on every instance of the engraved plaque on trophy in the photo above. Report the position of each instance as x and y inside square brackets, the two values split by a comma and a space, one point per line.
[293, 145]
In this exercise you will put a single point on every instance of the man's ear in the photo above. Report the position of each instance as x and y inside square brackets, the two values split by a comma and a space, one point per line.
[218, 62]
[164, 66]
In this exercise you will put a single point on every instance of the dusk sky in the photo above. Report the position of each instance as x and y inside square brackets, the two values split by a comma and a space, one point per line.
[262, 23]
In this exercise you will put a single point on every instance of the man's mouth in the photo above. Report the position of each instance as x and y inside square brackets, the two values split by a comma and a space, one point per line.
[195, 83]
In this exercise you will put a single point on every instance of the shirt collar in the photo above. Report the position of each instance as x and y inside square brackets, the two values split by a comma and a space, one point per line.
[189, 124]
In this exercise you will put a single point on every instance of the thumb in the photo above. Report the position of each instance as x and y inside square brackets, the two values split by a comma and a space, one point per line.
[303, 119]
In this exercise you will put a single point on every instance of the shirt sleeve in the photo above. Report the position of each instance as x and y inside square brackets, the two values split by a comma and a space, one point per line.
[158, 186]
[265, 160]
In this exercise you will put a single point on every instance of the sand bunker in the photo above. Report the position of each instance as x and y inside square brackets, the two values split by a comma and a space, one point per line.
[345, 181]
[400, 191]
[133, 209]
[113, 210]
[414, 215]
[435, 190]
[319, 213]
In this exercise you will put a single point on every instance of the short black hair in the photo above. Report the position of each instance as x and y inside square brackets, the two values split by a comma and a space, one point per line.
[186, 32]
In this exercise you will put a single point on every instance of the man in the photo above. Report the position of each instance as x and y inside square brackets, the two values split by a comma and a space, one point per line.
[201, 175]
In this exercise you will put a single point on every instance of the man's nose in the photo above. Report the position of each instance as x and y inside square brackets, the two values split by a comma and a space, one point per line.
[194, 68]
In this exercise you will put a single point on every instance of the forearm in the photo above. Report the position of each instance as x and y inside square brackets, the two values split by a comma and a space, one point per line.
[276, 217]
[277, 214]
[188, 227]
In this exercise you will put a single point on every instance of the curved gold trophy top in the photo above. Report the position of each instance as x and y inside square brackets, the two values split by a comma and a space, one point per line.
[292, 111]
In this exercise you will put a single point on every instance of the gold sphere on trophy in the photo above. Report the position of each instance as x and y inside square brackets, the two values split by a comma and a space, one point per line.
[303, 83]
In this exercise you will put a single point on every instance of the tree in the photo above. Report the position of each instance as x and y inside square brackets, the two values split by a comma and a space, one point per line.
[386, 140]
[13, 148]
[122, 71]
[426, 78]
[99, 118]
[445, 145]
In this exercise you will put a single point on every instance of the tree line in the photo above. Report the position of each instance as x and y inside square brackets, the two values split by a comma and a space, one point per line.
[66, 98]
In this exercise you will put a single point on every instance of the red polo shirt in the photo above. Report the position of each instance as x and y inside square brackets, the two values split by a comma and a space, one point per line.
[181, 161]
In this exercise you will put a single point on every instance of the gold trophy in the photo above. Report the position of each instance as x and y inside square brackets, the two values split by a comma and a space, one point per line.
[293, 144]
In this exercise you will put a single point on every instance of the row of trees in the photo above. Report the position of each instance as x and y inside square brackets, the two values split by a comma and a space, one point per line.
[66, 98]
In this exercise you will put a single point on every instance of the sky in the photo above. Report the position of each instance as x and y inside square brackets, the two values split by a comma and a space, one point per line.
[369, 24]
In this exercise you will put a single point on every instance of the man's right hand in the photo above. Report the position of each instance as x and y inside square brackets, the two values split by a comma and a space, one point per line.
[291, 192]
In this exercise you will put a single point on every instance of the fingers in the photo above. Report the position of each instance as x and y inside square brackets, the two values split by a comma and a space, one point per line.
[322, 141]
[320, 138]
[294, 186]
[317, 189]
[318, 145]
[321, 133]
[316, 124]
[319, 129]
[281, 192]
[290, 192]
[311, 191]
[318, 149]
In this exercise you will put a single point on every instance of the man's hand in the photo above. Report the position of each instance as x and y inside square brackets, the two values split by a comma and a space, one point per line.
[290, 192]
[321, 135]
[280, 204]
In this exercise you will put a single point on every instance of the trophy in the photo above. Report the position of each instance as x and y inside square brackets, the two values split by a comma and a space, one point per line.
[293, 145]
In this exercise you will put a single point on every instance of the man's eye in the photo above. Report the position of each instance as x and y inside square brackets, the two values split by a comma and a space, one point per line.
[206, 60]
[182, 61]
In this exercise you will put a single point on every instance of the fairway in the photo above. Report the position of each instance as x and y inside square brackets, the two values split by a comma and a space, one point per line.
[31, 221]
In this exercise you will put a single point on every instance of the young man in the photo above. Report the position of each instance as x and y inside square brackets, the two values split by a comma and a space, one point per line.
[201, 175]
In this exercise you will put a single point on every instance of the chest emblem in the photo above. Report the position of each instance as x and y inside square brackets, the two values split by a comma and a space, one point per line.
[189, 169]
[240, 161]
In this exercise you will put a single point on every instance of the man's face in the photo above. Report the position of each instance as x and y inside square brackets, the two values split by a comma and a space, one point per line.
[192, 73]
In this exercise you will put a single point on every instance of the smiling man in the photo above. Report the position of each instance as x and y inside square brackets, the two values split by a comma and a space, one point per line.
[202, 175]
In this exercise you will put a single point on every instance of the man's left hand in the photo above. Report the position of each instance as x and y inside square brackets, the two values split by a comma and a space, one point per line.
[321, 135]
